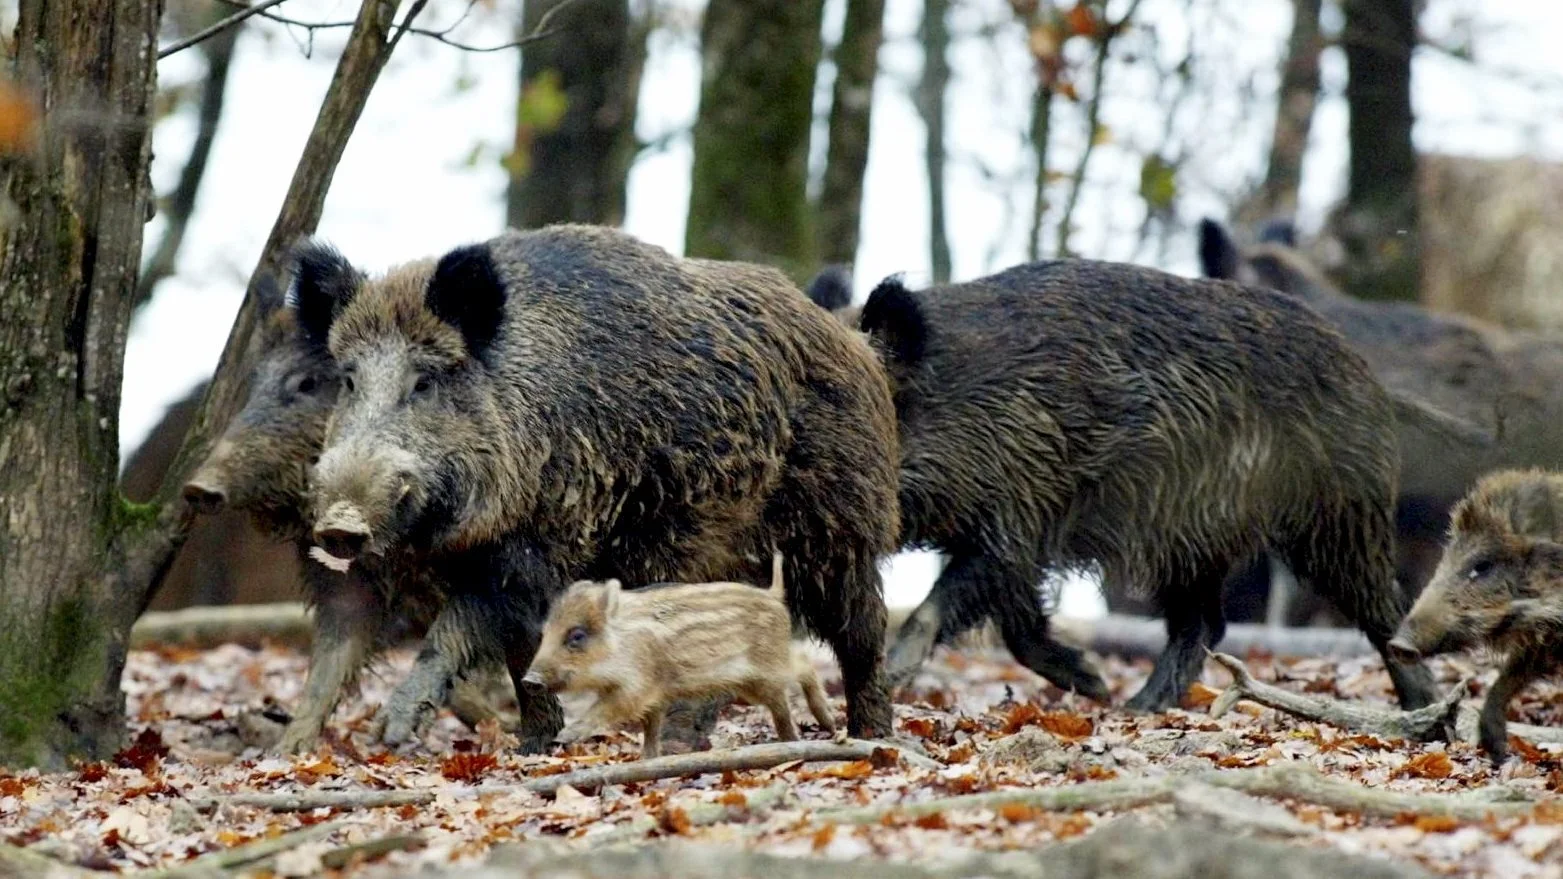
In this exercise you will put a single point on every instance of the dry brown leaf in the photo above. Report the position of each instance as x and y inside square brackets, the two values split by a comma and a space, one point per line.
[673, 820]
[1433, 764]
[822, 837]
[932, 821]
[467, 767]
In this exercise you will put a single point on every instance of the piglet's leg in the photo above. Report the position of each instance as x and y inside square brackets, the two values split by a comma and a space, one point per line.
[347, 617]
[774, 698]
[651, 738]
[1520, 670]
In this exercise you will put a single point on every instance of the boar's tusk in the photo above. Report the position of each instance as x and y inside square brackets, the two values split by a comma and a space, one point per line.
[532, 677]
[340, 565]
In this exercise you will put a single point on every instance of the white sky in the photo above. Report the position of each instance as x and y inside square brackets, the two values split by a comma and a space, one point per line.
[421, 174]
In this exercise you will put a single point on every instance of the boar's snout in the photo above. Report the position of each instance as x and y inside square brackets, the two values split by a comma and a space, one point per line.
[342, 531]
[1402, 650]
[206, 497]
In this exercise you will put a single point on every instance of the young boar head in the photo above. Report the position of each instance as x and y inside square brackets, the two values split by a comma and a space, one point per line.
[576, 643]
[261, 462]
[411, 347]
[1500, 581]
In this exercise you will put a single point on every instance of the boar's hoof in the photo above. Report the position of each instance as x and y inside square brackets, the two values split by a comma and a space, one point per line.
[205, 499]
[403, 724]
[342, 543]
[1402, 650]
[297, 739]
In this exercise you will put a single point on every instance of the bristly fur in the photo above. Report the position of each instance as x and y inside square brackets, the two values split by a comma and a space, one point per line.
[1077, 412]
[636, 416]
[1499, 585]
[831, 289]
[641, 650]
[467, 293]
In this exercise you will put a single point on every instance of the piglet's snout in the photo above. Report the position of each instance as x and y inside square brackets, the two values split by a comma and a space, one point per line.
[1402, 650]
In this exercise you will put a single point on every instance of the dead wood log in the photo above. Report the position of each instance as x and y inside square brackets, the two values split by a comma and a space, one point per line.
[207, 626]
[1138, 637]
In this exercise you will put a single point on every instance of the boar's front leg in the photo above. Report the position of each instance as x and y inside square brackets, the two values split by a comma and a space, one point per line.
[348, 616]
[498, 599]
[1520, 670]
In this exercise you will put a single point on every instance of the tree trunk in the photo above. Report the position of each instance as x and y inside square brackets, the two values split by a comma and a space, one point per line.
[1299, 92]
[67, 288]
[574, 168]
[851, 106]
[935, 35]
[748, 196]
[1378, 224]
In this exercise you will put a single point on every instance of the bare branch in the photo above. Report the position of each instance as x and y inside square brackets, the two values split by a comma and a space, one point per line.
[541, 32]
[207, 33]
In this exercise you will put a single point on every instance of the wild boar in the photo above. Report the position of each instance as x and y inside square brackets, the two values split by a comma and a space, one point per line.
[570, 403]
[640, 650]
[259, 467]
[1162, 429]
[1498, 585]
[1507, 385]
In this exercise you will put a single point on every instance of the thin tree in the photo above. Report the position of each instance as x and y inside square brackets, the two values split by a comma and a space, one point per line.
[748, 195]
[934, 34]
[1294, 104]
[851, 111]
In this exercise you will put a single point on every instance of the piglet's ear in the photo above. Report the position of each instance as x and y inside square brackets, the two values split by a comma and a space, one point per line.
[467, 293]
[610, 598]
[323, 283]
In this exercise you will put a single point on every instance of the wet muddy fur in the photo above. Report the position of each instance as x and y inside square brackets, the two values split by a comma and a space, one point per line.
[1075, 412]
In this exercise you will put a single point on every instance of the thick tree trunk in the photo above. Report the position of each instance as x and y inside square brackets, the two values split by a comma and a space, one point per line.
[935, 34]
[851, 106]
[748, 197]
[575, 169]
[1378, 224]
[1299, 92]
[67, 288]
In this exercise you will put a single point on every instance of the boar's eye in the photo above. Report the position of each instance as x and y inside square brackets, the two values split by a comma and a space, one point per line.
[305, 385]
[422, 385]
[1479, 569]
[347, 380]
[576, 638]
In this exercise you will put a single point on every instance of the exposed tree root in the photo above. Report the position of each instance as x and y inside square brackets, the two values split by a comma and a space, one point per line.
[217, 863]
[19, 863]
[757, 804]
[201, 627]
[763, 756]
[1422, 724]
[1296, 781]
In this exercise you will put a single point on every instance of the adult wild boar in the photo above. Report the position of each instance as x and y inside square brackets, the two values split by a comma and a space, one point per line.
[259, 467]
[1498, 585]
[571, 403]
[1078, 413]
[1506, 384]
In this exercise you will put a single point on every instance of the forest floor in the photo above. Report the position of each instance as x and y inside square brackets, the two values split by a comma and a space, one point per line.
[172, 798]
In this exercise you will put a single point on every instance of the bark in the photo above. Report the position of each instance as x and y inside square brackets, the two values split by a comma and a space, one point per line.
[181, 202]
[935, 81]
[1378, 224]
[851, 108]
[1041, 126]
[67, 287]
[575, 170]
[1294, 103]
[748, 195]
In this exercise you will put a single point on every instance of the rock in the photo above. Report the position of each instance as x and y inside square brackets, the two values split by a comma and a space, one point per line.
[1035, 749]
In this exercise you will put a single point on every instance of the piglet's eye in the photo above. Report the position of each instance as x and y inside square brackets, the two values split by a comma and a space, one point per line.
[576, 638]
[422, 385]
[1479, 569]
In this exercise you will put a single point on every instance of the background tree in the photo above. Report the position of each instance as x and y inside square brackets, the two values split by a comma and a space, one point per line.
[851, 110]
[934, 34]
[1295, 101]
[575, 121]
[1377, 225]
[748, 195]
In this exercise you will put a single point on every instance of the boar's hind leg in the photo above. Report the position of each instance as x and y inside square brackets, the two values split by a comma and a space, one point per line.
[850, 617]
[1024, 626]
[1195, 621]
[958, 601]
[347, 619]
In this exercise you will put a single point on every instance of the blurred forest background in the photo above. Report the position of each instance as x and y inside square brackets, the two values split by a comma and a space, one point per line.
[1414, 142]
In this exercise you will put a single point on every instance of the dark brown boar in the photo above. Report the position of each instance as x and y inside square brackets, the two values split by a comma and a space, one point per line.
[259, 469]
[570, 403]
[1509, 385]
[1078, 413]
[639, 651]
[1498, 585]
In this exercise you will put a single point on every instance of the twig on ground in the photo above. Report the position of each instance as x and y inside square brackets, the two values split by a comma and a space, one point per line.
[1422, 724]
[339, 858]
[1292, 780]
[763, 756]
[757, 804]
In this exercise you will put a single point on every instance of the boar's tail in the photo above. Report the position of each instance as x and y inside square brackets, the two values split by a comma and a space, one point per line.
[831, 289]
[1410, 409]
[894, 317]
[778, 588]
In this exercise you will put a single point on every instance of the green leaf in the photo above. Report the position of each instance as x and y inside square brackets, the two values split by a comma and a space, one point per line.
[1158, 183]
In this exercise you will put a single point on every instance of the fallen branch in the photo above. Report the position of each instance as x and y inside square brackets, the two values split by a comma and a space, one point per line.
[1423, 724]
[339, 858]
[19, 863]
[1136, 637]
[248, 854]
[763, 756]
[1292, 780]
[285, 622]
[756, 804]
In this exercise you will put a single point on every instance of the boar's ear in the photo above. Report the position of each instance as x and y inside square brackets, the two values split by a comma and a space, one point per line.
[467, 293]
[831, 288]
[323, 283]
[1278, 231]
[894, 316]
[1534, 512]
[1467, 518]
[1218, 255]
[610, 598]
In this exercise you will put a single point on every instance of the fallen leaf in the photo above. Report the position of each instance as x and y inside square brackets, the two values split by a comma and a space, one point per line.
[1433, 764]
[823, 836]
[932, 821]
[468, 767]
